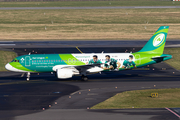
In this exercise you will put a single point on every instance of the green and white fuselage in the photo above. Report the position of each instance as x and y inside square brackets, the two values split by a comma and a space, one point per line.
[67, 65]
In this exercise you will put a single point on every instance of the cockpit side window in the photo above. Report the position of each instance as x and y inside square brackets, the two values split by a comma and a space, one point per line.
[14, 60]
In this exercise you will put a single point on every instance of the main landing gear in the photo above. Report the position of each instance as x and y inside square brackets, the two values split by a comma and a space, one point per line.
[84, 78]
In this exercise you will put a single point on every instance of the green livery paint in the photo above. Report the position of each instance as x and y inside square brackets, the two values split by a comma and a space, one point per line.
[83, 64]
[157, 42]
[153, 48]
[69, 59]
[19, 66]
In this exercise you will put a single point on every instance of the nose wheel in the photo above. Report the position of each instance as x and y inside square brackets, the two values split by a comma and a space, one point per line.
[84, 78]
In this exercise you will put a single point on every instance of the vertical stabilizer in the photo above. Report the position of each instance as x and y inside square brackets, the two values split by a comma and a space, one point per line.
[157, 42]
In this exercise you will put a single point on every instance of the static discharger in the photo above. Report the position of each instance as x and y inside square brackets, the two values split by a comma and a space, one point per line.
[154, 95]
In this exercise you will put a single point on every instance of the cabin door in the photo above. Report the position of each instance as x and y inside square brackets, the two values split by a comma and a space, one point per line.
[27, 61]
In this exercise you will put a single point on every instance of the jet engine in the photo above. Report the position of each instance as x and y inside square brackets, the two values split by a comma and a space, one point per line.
[64, 73]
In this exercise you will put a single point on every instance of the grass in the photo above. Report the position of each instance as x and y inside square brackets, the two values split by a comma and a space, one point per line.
[91, 3]
[6, 57]
[175, 61]
[116, 24]
[141, 99]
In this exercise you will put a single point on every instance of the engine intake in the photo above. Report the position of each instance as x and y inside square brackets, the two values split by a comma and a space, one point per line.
[64, 73]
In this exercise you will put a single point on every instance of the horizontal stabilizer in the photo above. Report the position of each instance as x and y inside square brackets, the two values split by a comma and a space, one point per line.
[159, 59]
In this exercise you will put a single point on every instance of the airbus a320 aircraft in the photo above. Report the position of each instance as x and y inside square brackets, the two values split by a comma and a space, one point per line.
[68, 65]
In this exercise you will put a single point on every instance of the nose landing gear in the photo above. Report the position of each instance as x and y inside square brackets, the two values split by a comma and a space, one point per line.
[28, 76]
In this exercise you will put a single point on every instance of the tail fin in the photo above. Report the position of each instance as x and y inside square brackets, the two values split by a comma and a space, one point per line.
[157, 42]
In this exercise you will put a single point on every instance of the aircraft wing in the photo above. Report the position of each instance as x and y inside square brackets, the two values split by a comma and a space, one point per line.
[87, 66]
[91, 68]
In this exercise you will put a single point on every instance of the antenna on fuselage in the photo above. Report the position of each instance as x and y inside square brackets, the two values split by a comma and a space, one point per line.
[29, 53]
[102, 52]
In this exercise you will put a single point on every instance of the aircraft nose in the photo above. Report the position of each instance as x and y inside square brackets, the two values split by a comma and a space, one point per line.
[8, 67]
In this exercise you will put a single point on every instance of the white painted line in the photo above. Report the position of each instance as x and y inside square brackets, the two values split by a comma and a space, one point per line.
[173, 112]
[7, 44]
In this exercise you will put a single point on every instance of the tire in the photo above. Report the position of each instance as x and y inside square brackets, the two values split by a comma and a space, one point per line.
[84, 78]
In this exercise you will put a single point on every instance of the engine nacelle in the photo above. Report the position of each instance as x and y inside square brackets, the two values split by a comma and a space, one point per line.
[64, 73]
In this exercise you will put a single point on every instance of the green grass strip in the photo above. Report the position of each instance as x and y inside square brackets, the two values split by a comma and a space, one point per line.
[142, 99]
[175, 61]
[91, 3]
[6, 57]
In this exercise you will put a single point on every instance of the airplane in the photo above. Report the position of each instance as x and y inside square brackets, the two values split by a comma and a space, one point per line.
[68, 65]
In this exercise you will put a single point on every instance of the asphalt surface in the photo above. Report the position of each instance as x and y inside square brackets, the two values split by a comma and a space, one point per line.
[85, 43]
[45, 97]
[115, 7]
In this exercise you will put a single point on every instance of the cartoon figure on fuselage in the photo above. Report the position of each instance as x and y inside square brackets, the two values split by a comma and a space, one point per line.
[95, 60]
[69, 65]
[128, 63]
[111, 64]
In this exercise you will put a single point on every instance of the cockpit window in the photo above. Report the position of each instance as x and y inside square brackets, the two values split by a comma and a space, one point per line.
[15, 60]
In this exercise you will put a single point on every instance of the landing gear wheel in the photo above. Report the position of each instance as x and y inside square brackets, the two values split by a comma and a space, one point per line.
[84, 78]
[28, 76]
